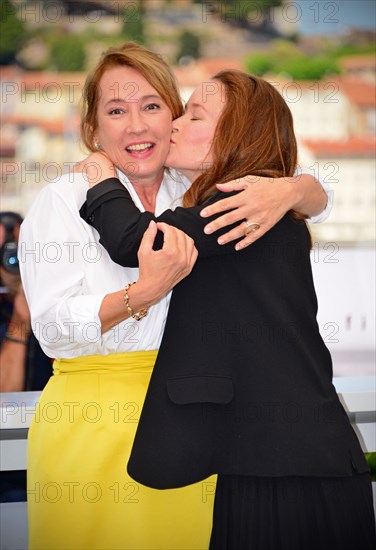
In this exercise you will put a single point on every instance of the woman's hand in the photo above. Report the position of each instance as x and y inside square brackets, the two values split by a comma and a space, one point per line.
[161, 270]
[96, 168]
[263, 201]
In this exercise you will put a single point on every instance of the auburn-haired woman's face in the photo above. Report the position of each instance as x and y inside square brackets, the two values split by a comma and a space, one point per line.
[193, 133]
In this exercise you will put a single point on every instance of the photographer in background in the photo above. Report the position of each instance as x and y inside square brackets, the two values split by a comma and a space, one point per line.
[23, 365]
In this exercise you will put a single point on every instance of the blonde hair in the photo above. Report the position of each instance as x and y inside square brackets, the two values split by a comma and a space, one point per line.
[149, 64]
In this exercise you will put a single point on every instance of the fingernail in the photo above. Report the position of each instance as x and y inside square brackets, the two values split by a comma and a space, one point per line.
[238, 246]
[221, 241]
[203, 213]
[208, 229]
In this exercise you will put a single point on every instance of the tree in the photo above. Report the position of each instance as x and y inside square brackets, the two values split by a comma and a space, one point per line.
[301, 67]
[133, 25]
[285, 57]
[189, 45]
[13, 33]
[264, 5]
[237, 12]
[68, 53]
[260, 64]
[309, 68]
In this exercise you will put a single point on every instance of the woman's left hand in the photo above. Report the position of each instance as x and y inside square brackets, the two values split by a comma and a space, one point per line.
[96, 167]
[262, 201]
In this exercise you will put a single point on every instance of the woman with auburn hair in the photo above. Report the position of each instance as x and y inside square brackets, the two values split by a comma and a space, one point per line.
[242, 384]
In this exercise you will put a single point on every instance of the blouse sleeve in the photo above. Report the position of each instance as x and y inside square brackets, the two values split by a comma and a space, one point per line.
[53, 282]
[110, 209]
[323, 216]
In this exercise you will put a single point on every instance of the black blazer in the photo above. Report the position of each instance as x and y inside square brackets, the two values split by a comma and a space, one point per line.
[243, 380]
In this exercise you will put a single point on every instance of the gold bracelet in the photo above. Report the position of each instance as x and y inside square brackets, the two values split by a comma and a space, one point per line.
[138, 316]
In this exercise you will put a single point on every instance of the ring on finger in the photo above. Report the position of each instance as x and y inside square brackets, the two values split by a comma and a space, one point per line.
[251, 227]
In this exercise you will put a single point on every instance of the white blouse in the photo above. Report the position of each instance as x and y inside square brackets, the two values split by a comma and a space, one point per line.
[66, 272]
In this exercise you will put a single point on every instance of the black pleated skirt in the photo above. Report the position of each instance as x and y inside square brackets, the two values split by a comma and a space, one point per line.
[293, 513]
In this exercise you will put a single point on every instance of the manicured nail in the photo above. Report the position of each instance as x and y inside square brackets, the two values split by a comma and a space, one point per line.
[208, 229]
[203, 213]
[221, 241]
[238, 246]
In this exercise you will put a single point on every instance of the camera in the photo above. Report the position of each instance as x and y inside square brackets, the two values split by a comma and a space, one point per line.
[8, 250]
[9, 260]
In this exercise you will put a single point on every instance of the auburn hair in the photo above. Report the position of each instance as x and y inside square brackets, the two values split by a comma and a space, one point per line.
[254, 135]
[149, 64]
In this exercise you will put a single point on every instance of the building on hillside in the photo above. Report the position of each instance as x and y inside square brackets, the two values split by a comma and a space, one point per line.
[350, 168]
[40, 131]
[330, 109]
[361, 95]
[334, 121]
[201, 70]
[360, 66]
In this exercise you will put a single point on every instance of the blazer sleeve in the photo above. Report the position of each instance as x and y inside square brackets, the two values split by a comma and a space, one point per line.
[110, 209]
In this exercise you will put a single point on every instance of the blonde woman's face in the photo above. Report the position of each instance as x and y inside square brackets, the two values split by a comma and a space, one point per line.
[193, 133]
[133, 125]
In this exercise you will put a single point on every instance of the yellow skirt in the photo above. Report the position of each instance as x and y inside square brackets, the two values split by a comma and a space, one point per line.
[79, 493]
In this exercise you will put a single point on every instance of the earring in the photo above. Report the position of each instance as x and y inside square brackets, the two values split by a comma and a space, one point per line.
[97, 146]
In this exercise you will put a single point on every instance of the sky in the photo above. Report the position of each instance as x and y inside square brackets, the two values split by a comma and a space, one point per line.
[326, 17]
